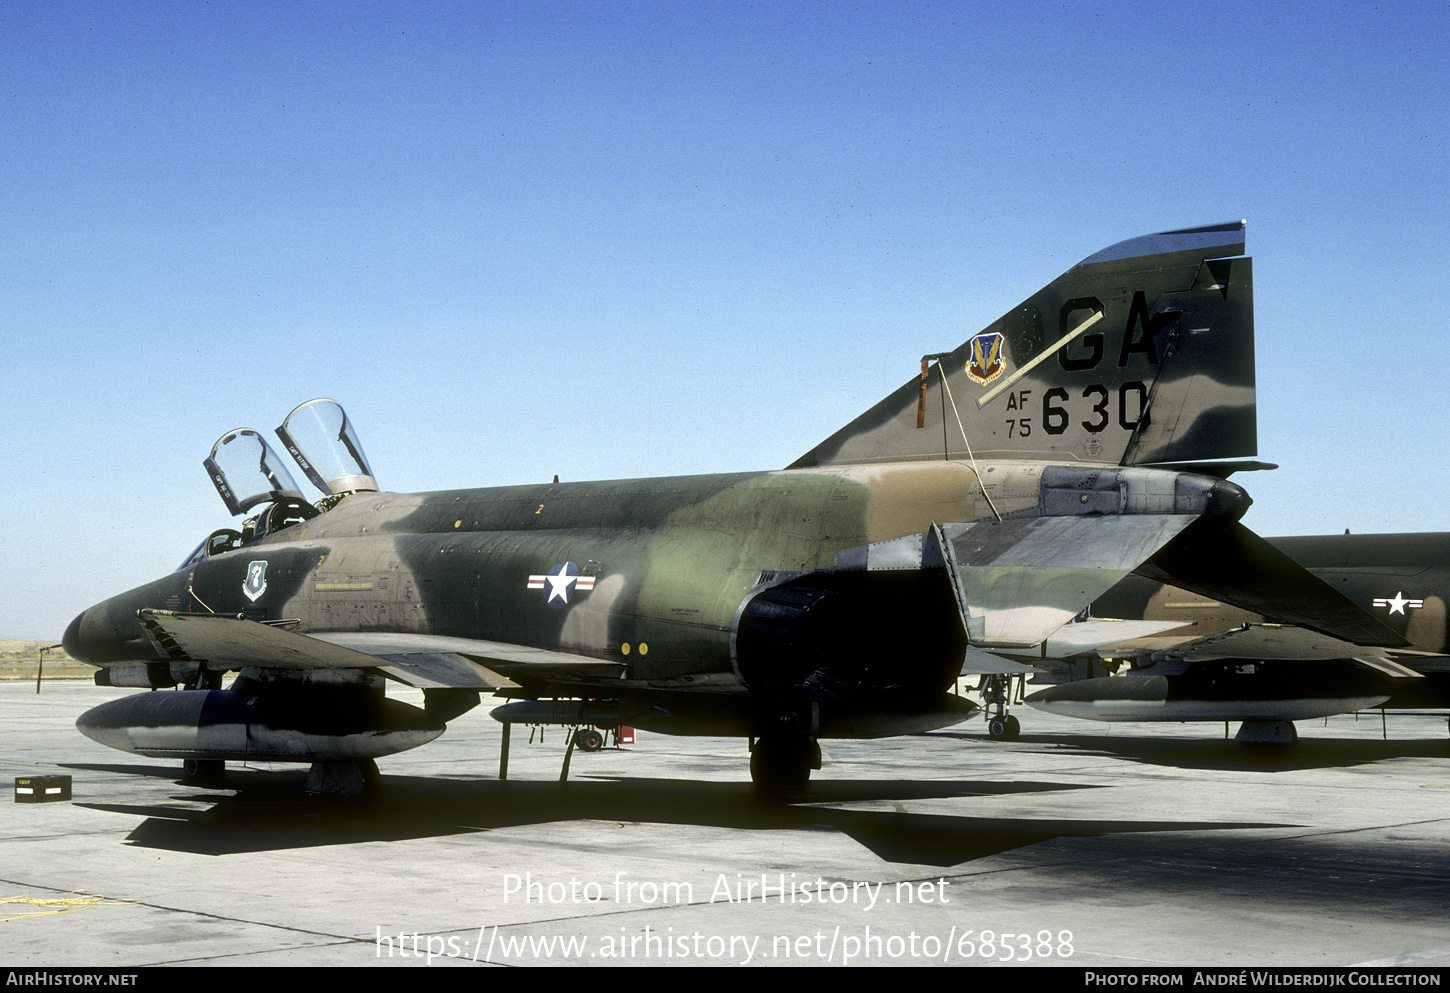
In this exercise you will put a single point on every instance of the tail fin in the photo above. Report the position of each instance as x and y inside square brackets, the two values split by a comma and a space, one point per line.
[1141, 353]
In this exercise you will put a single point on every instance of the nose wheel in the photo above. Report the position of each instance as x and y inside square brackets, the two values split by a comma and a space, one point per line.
[1004, 728]
[997, 691]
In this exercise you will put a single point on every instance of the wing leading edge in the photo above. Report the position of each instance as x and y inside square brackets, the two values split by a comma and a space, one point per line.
[232, 641]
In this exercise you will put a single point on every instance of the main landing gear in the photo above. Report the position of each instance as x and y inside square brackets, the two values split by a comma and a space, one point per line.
[780, 765]
[345, 778]
[203, 772]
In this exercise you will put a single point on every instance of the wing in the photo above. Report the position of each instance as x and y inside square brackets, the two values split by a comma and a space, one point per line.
[1282, 643]
[1237, 566]
[231, 641]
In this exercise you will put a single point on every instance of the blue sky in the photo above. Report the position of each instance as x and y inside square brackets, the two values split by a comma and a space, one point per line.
[631, 239]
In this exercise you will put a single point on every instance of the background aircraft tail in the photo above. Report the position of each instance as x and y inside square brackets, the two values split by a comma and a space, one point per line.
[1141, 353]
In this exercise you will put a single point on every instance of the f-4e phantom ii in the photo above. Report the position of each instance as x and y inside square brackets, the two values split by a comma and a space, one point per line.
[984, 503]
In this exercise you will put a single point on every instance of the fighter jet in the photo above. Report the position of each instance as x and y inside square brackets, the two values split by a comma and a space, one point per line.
[984, 503]
[1213, 661]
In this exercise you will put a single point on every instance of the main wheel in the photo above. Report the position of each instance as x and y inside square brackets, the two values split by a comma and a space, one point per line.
[203, 772]
[780, 767]
[589, 740]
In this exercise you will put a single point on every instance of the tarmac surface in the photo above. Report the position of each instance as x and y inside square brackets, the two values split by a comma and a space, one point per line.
[1081, 844]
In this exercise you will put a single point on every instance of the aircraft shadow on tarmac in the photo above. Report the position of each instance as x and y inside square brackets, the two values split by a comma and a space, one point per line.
[1227, 755]
[269, 811]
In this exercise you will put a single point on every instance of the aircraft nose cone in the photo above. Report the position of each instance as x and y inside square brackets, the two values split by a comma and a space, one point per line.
[71, 640]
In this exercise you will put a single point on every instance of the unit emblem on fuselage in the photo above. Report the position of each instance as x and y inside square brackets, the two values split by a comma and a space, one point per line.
[985, 363]
[561, 582]
[256, 582]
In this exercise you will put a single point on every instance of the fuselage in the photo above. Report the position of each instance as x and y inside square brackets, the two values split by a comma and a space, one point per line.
[648, 573]
[660, 566]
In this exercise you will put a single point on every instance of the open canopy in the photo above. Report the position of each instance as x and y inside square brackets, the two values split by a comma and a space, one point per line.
[317, 434]
[246, 472]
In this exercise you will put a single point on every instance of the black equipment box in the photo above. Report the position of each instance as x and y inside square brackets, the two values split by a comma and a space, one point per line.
[41, 789]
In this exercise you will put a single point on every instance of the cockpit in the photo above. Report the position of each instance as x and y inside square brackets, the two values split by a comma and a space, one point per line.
[248, 473]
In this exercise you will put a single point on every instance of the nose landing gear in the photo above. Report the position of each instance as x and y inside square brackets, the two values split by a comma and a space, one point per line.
[998, 691]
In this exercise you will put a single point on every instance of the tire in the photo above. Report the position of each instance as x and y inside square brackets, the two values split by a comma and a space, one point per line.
[589, 740]
[1004, 728]
[203, 772]
[781, 767]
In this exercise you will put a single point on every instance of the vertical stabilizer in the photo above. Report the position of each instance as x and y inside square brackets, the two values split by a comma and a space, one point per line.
[1141, 353]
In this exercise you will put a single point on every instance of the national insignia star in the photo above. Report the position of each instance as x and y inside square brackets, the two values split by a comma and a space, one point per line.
[1398, 602]
[559, 584]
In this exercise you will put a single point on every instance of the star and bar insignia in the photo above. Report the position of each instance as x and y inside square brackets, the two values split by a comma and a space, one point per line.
[1398, 602]
[561, 581]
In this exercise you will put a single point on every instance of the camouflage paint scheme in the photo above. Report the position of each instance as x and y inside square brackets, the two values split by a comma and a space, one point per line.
[836, 597]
